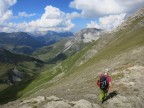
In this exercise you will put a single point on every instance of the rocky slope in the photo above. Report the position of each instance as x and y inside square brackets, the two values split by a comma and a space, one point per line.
[81, 39]
[121, 52]
[52, 102]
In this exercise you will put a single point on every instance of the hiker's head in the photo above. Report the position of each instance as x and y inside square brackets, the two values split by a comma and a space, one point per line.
[106, 72]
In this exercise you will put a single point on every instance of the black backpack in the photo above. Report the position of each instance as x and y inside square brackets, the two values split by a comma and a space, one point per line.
[104, 83]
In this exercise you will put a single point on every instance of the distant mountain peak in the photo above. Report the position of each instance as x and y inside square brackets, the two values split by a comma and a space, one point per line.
[82, 38]
[62, 34]
[90, 29]
[88, 35]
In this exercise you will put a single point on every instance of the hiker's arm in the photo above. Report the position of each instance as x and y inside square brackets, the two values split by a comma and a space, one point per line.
[110, 87]
[98, 83]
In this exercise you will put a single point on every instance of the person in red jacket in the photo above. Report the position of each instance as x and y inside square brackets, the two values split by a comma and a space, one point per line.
[105, 84]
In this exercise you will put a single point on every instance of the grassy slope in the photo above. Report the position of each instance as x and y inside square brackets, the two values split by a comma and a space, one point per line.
[47, 52]
[41, 81]
[4, 67]
[24, 64]
[124, 40]
[31, 86]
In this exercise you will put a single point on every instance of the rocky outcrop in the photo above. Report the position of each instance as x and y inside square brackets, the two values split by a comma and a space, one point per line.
[130, 87]
[50, 102]
[81, 39]
[137, 15]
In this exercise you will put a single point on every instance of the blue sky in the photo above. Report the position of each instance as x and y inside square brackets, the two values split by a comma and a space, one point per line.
[39, 16]
[37, 6]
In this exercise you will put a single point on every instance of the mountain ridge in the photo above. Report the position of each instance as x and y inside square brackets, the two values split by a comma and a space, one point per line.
[25, 43]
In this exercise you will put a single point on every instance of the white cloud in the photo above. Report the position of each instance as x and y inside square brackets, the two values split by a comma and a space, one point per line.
[73, 15]
[93, 24]
[52, 19]
[93, 8]
[5, 12]
[108, 23]
[24, 14]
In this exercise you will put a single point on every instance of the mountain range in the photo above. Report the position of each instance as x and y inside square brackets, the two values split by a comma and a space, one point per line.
[21, 42]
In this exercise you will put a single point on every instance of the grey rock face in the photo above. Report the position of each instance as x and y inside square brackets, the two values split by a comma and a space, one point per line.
[57, 104]
[130, 19]
[82, 38]
[50, 102]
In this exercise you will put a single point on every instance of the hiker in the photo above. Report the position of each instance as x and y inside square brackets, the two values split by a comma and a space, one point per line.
[105, 84]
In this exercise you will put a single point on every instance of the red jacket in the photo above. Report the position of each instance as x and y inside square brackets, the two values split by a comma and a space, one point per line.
[108, 79]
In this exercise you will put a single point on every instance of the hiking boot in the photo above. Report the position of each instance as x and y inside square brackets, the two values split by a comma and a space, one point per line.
[103, 99]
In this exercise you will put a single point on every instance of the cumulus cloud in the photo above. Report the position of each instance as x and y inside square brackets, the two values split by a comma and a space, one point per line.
[108, 23]
[24, 14]
[96, 8]
[5, 12]
[73, 15]
[52, 19]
